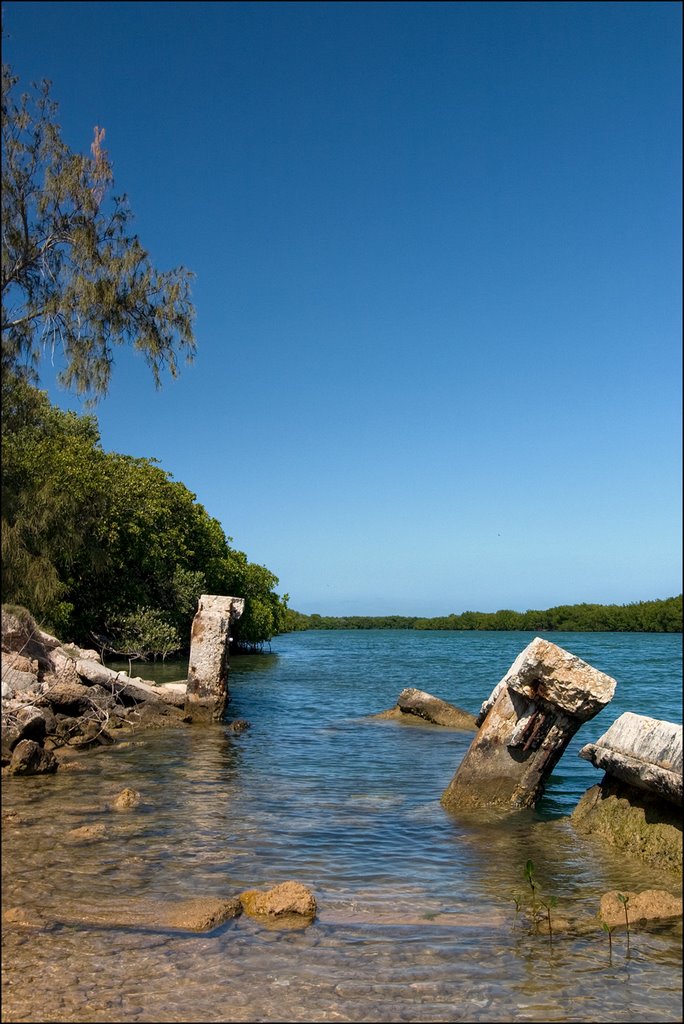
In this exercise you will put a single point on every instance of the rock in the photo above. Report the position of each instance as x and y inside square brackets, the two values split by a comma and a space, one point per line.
[63, 666]
[199, 915]
[86, 834]
[525, 725]
[23, 918]
[101, 698]
[174, 693]
[150, 715]
[15, 680]
[10, 737]
[207, 691]
[32, 724]
[91, 733]
[239, 725]
[283, 900]
[649, 905]
[125, 800]
[644, 752]
[29, 758]
[633, 820]
[433, 709]
[70, 698]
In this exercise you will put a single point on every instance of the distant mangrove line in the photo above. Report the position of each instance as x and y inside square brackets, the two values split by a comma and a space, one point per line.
[664, 616]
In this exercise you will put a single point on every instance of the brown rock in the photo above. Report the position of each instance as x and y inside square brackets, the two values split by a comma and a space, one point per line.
[199, 915]
[29, 758]
[86, 834]
[125, 800]
[286, 898]
[66, 696]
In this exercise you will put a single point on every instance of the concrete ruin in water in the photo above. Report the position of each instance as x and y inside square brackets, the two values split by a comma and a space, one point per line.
[206, 695]
[525, 726]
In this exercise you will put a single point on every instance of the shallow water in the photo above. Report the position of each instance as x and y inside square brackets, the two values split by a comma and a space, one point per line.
[416, 920]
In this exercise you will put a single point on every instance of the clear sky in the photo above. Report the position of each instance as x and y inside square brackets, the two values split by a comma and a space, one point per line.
[437, 250]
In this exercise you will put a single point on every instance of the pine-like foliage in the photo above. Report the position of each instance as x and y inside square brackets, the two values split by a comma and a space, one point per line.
[75, 280]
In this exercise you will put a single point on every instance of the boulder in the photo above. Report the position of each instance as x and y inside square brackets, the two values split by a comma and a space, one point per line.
[17, 681]
[32, 723]
[525, 726]
[644, 752]
[62, 666]
[29, 758]
[433, 709]
[239, 725]
[70, 698]
[125, 800]
[633, 820]
[288, 898]
[131, 689]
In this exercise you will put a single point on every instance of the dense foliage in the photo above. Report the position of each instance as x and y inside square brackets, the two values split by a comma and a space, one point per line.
[97, 543]
[74, 277]
[662, 616]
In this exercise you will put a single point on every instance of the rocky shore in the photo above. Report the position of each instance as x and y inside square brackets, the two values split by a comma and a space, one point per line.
[58, 699]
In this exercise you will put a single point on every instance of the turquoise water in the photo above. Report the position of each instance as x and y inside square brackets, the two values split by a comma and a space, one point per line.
[416, 916]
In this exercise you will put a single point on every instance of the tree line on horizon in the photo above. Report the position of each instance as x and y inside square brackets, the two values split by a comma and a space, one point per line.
[659, 616]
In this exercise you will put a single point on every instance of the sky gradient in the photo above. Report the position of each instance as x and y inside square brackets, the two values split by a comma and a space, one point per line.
[438, 273]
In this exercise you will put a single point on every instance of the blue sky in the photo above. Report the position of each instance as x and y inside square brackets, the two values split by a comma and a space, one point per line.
[437, 250]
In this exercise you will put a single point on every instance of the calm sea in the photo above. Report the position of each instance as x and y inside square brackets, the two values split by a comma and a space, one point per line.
[417, 918]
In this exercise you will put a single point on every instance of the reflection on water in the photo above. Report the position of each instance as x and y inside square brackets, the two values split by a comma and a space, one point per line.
[416, 917]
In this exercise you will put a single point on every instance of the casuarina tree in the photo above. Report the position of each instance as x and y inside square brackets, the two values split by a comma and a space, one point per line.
[75, 279]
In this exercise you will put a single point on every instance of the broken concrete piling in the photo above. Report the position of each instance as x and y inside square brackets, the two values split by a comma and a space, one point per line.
[637, 805]
[207, 690]
[643, 752]
[524, 727]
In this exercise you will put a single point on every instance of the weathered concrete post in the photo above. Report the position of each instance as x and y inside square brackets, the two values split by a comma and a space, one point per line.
[207, 692]
[643, 752]
[637, 805]
[525, 726]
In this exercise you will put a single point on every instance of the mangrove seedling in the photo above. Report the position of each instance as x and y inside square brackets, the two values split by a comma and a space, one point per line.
[624, 900]
[551, 901]
[529, 875]
[609, 931]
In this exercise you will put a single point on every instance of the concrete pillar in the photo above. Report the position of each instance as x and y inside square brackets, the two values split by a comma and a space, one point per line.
[643, 752]
[207, 692]
[525, 726]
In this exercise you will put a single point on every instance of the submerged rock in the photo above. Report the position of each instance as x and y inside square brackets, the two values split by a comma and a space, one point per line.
[201, 914]
[125, 800]
[633, 820]
[415, 704]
